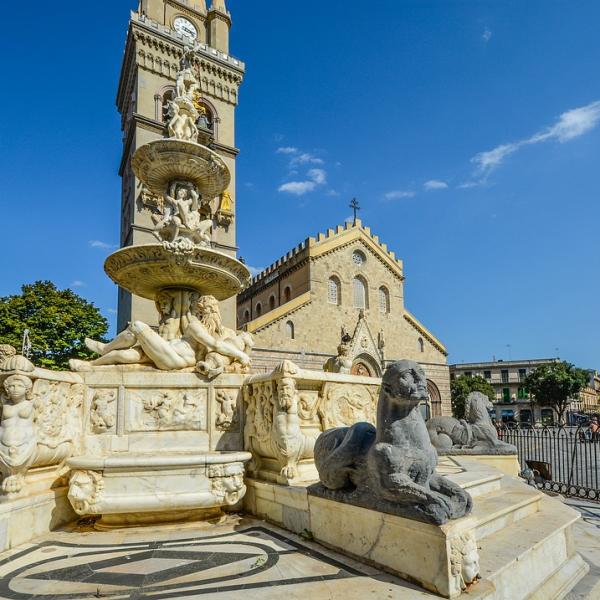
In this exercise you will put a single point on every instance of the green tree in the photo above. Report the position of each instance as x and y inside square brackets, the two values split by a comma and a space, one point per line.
[555, 385]
[462, 386]
[58, 322]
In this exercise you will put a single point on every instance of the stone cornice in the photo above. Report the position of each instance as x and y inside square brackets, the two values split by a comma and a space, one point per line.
[186, 10]
[219, 14]
[165, 34]
[259, 285]
[279, 313]
[412, 320]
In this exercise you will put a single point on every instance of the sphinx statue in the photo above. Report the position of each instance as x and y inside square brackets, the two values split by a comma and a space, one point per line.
[390, 468]
[475, 434]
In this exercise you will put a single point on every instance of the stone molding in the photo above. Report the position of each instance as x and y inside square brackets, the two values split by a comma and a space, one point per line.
[412, 320]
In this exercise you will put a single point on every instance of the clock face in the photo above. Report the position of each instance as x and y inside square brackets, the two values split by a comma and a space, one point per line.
[183, 25]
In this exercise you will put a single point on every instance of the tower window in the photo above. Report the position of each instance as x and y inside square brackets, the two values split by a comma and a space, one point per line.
[290, 330]
[360, 292]
[384, 300]
[246, 316]
[333, 291]
[287, 294]
[258, 309]
[271, 302]
[421, 345]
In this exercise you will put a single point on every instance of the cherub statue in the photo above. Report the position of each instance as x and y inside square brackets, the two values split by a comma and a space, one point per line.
[182, 125]
[182, 215]
[18, 441]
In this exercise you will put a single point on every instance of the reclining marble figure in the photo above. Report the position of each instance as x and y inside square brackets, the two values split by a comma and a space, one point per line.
[390, 468]
[205, 344]
[475, 434]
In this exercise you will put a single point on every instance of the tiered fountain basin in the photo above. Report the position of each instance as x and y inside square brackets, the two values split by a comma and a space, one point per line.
[140, 488]
[158, 446]
[159, 163]
[147, 269]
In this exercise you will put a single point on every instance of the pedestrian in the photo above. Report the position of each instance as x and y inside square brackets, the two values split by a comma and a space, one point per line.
[594, 428]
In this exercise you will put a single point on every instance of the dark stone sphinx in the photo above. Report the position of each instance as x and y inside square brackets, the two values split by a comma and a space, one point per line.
[475, 434]
[391, 468]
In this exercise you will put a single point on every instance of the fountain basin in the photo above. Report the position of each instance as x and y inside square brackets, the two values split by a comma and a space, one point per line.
[131, 489]
[160, 162]
[147, 269]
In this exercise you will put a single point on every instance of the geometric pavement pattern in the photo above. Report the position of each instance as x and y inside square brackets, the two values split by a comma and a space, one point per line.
[230, 563]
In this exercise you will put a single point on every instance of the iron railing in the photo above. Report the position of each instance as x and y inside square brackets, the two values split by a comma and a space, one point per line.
[563, 459]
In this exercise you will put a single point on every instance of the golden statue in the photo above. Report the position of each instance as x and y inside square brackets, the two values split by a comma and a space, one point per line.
[226, 202]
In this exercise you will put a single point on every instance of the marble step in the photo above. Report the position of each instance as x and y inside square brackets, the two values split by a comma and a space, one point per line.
[500, 509]
[532, 558]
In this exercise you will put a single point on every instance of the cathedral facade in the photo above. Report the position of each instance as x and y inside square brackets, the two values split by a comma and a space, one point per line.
[343, 289]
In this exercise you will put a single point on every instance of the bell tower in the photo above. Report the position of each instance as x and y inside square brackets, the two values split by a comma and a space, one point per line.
[158, 36]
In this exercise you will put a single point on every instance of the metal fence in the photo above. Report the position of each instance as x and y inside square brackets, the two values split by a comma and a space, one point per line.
[564, 459]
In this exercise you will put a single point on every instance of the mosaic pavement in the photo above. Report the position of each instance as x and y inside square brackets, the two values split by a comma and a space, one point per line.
[222, 562]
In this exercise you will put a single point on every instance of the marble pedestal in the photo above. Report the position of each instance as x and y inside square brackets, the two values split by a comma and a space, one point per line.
[524, 538]
[158, 446]
[136, 489]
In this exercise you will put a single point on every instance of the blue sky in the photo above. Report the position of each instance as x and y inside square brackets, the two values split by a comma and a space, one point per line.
[469, 131]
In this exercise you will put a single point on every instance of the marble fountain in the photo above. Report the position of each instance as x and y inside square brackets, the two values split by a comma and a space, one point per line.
[172, 425]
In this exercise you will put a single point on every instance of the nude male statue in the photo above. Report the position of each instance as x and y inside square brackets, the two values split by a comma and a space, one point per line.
[204, 339]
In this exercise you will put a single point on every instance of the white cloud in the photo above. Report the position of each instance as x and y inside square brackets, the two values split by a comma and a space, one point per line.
[319, 176]
[570, 125]
[254, 271]
[398, 194]
[287, 150]
[111, 311]
[486, 36]
[435, 184]
[333, 193]
[306, 158]
[100, 244]
[298, 188]
[77, 284]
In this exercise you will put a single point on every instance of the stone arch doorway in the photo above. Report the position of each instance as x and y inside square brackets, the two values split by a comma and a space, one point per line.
[365, 366]
[435, 399]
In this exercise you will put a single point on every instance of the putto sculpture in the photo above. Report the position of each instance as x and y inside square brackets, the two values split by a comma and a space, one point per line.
[475, 434]
[390, 468]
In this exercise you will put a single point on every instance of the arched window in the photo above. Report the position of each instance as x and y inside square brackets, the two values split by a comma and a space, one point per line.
[290, 331]
[206, 118]
[359, 286]
[421, 345]
[246, 316]
[334, 295]
[287, 294]
[384, 300]
[258, 309]
[166, 98]
[272, 302]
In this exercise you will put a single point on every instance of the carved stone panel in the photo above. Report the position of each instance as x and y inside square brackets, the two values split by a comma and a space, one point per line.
[167, 410]
[345, 404]
[103, 411]
[227, 410]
